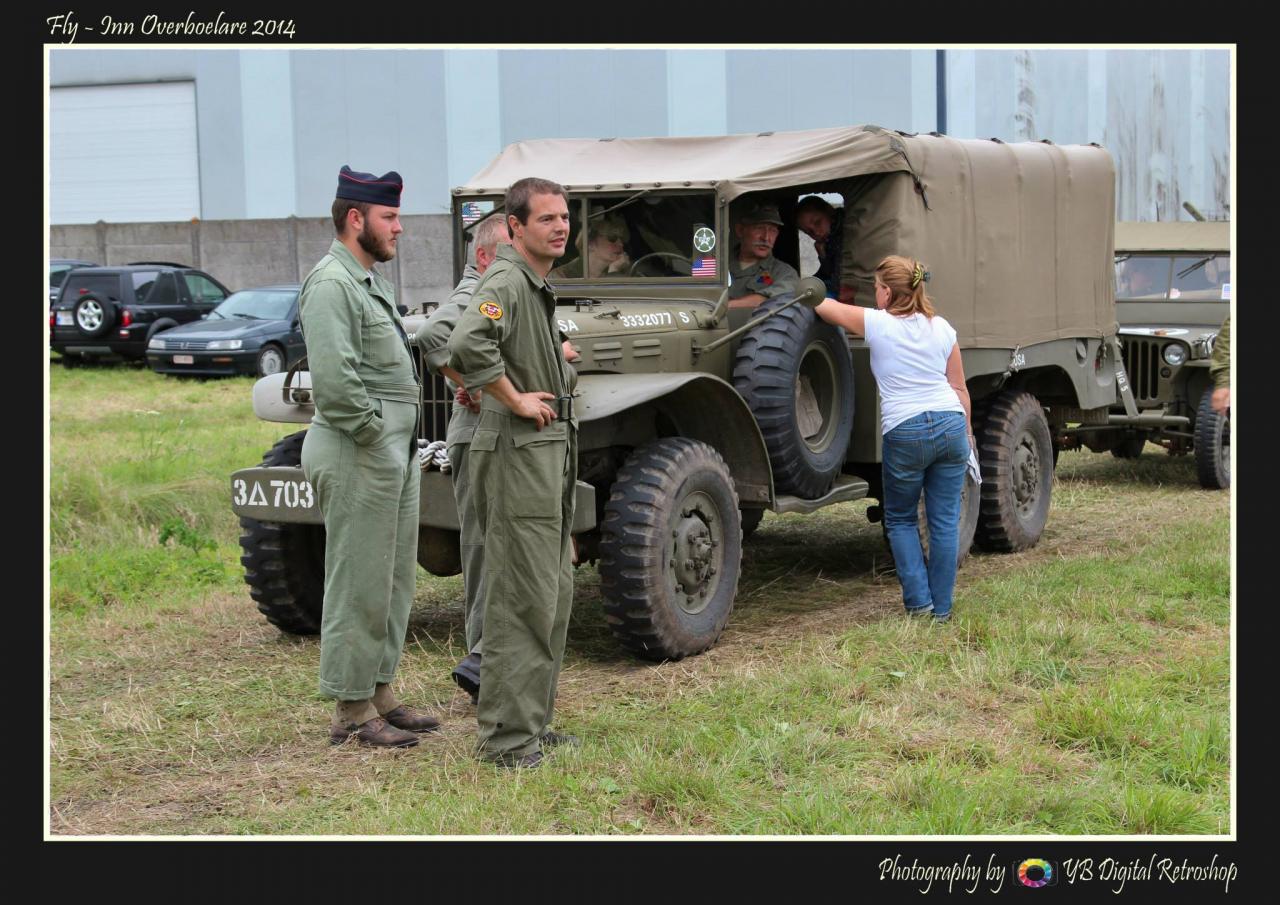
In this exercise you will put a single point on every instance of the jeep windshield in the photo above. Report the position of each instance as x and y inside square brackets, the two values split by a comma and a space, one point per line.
[1164, 277]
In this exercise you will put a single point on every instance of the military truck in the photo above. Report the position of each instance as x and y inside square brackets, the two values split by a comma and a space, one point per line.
[1173, 291]
[696, 417]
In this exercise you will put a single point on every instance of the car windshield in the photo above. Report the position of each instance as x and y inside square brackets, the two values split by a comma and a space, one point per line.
[257, 304]
[641, 236]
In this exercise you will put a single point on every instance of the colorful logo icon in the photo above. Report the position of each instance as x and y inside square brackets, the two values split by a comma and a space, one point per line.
[1035, 872]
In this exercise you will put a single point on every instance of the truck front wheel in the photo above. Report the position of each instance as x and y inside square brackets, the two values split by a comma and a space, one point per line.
[670, 549]
[1015, 451]
[284, 563]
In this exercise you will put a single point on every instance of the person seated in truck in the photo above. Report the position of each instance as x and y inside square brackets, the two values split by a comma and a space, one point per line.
[824, 224]
[606, 253]
[755, 273]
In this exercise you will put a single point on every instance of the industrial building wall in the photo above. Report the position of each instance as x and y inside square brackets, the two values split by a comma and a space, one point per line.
[273, 126]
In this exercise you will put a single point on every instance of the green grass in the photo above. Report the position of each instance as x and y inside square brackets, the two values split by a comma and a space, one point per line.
[1082, 687]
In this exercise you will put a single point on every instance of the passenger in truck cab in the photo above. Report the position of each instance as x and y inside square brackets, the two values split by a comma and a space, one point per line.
[756, 274]
[606, 252]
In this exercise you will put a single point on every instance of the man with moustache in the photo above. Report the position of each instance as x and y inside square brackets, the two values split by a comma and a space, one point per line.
[756, 274]
[523, 466]
[360, 455]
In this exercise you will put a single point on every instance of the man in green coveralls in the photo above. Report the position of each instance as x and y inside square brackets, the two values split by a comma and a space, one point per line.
[1220, 369]
[523, 465]
[757, 275]
[360, 455]
[433, 338]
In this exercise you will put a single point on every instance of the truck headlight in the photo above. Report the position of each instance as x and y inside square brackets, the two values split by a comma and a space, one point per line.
[225, 344]
[156, 343]
[1175, 354]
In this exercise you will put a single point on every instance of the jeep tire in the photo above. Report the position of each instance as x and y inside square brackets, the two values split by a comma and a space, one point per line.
[1212, 445]
[284, 563]
[670, 549]
[795, 373]
[1015, 450]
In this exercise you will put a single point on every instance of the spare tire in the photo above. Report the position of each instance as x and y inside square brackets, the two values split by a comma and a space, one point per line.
[93, 315]
[794, 371]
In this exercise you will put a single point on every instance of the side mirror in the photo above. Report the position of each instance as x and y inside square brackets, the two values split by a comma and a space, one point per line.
[811, 292]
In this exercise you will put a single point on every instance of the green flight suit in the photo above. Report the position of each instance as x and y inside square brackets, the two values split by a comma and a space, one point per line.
[433, 339]
[360, 456]
[1220, 358]
[523, 481]
[770, 278]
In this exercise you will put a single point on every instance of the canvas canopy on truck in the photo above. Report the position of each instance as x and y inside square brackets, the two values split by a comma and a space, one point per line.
[1018, 237]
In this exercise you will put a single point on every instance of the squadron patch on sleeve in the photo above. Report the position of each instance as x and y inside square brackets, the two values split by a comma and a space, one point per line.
[491, 310]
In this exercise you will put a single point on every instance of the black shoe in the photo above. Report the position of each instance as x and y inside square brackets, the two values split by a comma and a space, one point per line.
[467, 676]
[552, 738]
[521, 762]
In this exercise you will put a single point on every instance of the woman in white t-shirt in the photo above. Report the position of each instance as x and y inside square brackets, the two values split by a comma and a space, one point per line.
[924, 415]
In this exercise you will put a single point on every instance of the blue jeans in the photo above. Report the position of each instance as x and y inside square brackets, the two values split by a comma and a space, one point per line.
[929, 452]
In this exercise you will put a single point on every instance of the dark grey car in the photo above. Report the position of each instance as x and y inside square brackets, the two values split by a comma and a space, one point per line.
[255, 331]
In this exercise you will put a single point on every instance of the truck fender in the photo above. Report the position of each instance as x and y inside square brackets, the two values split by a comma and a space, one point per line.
[701, 406]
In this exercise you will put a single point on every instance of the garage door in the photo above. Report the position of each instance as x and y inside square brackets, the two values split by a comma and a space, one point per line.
[123, 153]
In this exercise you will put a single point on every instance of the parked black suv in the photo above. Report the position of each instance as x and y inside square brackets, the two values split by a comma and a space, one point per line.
[114, 311]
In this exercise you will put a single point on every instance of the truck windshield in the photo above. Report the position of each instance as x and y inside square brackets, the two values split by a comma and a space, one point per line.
[641, 236]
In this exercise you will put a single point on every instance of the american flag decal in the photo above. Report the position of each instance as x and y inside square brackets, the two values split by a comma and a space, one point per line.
[471, 212]
[704, 266]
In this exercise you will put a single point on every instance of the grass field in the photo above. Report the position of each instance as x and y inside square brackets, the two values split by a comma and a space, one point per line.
[1081, 688]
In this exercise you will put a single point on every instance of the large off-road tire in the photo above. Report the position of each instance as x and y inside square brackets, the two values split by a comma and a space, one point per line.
[1015, 451]
[970, 504]
[1212, 445]
[1130, 445]
[795, 373]
[670, 549]
[284, 563]
[94, 315]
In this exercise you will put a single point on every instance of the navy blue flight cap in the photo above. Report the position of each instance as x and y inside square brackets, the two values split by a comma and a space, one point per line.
[384, 189]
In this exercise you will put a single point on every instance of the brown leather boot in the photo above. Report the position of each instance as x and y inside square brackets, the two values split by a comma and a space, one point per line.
[374, 733]
[412, 719]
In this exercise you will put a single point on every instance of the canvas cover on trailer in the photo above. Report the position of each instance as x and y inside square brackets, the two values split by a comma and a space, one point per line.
[1018, 237]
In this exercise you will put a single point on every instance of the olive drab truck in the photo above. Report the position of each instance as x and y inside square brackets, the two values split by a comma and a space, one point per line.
[696, 417]
[1173, 291]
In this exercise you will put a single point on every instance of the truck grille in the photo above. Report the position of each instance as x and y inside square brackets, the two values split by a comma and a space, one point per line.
[1142, 363]
[437, 404]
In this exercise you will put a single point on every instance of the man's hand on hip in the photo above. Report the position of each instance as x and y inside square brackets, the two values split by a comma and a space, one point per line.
[532, 406]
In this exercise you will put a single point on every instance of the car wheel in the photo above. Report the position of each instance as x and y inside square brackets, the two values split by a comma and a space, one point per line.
[270, 361]
[1212, 445]
[94, 316]
[670, 549]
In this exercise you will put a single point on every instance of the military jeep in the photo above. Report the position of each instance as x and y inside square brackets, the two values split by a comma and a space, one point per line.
[697, 416]
[1173, 291]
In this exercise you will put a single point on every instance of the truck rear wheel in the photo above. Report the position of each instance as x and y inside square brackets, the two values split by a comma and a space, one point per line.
[795, 373]
[1015, 451]
[670, 549]
[970, 503]
[1212, 445]
[284, 563]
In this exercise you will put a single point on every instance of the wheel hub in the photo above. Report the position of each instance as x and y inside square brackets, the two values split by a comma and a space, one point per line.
[89, 316]
[695, 552]
[1026, 475]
